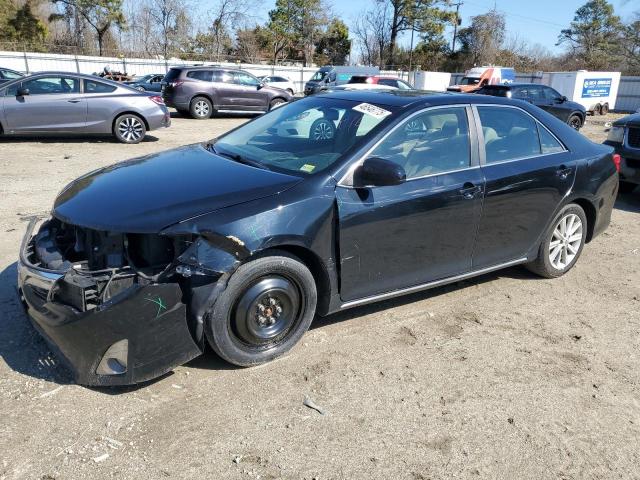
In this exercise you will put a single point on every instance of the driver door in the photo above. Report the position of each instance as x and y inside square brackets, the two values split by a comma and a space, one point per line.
[249, 92]
[424, 229]
[54, 103]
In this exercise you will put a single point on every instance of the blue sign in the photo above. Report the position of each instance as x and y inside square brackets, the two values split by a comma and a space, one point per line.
[596, 87]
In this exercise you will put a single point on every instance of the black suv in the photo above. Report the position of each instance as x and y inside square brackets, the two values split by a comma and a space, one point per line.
[205, 90]
[541, 96]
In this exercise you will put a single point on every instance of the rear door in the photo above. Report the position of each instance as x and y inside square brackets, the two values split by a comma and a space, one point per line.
[54, 104]
[528, 172]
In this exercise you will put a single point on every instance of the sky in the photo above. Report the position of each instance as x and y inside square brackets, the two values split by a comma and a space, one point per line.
[538, 21]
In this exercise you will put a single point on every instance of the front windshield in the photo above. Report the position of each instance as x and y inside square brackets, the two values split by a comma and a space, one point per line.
[319, 75]
[469, 81]
[303, 137]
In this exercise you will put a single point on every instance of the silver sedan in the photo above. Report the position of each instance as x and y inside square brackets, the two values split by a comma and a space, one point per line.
[69, 103]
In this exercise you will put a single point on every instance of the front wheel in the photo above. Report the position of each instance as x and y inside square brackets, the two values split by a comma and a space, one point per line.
[575, 122]
[562, 244]
[266, 308]
[129, 128]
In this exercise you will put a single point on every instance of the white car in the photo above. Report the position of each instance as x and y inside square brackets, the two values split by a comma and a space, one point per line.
[279, 82]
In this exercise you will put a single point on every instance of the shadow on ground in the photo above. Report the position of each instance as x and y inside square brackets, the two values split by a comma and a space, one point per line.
[629, 202]
[50, 138]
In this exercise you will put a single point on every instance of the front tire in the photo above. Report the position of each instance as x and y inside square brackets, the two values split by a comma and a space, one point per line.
[129, 128]
[575, 122]
[201, 108]
[562, 243]
[266, 308]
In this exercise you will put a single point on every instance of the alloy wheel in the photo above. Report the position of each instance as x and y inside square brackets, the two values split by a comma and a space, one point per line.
[323, 131]
[131, 129]
[566, 241]
[201, 108]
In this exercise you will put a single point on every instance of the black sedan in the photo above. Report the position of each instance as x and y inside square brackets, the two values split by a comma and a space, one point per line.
[624, 136]
[547, 98]
[241, 241]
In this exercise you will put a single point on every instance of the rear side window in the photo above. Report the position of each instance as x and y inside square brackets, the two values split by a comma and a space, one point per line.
[388, 82]
[548, 142]
[220, 76]
[495, 92]
[202, 75]
[509, 134]
[91, 86]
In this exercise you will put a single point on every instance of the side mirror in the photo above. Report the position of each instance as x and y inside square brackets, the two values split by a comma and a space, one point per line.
[562, 99]
[22, 92]
[378, 172]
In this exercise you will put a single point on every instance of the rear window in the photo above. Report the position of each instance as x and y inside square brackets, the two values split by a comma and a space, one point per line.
[172, 74]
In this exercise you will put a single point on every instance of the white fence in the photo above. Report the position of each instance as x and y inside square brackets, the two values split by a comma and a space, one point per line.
[29, 62]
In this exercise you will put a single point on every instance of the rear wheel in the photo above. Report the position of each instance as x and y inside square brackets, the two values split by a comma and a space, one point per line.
[266, 308]
[129, 128]
[201, 108]
[597, 110]
[562, 244]
[575, 122]
[605, 109]
[141, 88]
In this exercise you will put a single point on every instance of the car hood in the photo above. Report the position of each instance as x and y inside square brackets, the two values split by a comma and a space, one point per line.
[145, 195]
[629, 120]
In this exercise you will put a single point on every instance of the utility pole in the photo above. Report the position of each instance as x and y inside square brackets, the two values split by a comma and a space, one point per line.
[456, 22]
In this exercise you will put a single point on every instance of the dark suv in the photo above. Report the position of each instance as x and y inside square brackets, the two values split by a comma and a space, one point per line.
[624, 136]
[541, 96]
[203, 91]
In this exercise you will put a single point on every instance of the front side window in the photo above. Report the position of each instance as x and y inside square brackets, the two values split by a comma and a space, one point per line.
[52, 85]
[306, 136]
[245, 79]
[91, 86]
[319, 75]
[435, 141]
[551, 94]
[509, 134]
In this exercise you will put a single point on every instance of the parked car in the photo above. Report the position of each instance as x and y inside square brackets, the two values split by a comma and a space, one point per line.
[203, 91]
[547, 98]
[147, 83]
[70, 103]
[6, 75]
[330, 76]
[277, 81]
[382, 80]
[241, 241]
[624, 136]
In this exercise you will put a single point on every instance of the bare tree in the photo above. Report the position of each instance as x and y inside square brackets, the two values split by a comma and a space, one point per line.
[227, 16]
[373, 34]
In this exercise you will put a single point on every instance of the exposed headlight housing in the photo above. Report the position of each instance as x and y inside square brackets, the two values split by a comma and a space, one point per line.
[616, 134]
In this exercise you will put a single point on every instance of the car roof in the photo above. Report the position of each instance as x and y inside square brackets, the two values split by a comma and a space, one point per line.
[404, 98]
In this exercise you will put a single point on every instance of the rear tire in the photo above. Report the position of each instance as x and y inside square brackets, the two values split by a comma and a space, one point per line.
[129, 128]
[597, 110]
[201, 108]
[575, 122]
[626, 187]
[265, 310]
[142, 89]
[605, 109]
[562, 243]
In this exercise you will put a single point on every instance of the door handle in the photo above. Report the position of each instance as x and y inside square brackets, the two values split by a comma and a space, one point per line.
[75, 100]
[563, 172]
[469, 190]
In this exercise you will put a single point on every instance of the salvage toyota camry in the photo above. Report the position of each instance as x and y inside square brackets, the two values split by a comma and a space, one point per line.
[241, 241]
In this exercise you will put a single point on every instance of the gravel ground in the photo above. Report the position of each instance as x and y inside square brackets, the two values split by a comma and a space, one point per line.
[505, 376]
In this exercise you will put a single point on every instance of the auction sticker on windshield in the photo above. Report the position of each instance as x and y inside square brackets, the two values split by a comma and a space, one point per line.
[372, 110]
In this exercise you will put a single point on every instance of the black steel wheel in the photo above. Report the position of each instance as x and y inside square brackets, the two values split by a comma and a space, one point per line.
[266, 308]
[575, 122]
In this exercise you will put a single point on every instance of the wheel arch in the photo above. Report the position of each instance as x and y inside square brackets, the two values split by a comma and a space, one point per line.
[209, 96]
[591, 213]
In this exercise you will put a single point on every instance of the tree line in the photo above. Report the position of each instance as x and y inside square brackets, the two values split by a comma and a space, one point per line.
[394, 34]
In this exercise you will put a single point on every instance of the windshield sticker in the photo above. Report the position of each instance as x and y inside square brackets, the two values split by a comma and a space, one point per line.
[308, 168]
[372, 110]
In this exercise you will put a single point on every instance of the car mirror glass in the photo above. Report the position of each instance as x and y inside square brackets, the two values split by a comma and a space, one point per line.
[379, 172]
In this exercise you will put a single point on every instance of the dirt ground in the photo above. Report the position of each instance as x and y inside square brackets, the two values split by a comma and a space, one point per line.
[506, 376]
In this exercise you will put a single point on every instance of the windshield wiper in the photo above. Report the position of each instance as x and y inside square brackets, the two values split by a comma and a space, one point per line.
[234, 156]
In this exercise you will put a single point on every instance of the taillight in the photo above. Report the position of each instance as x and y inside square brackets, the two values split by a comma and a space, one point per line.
[157, 99]
[177, 83]
[616, 161]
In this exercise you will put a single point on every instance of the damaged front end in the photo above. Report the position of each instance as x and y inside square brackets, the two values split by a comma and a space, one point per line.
[120, 308]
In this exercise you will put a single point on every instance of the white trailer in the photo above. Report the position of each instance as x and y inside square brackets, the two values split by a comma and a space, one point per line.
[434, 81]
[595, 91]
